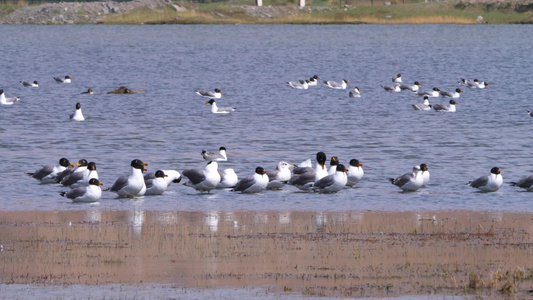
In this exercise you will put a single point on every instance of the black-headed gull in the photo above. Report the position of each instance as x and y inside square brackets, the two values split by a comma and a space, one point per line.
[48, 173]
[65, 79]
[525, 183]
[210, 94]
[446, 108]
[77, 115]
[333, 182]
[337, 85]
[130, 186]
[488, 183]
[355, 172]
[409, 182]
[90, 193]
[254, 183]
[203, 180]
[215, 156]
[219, 110]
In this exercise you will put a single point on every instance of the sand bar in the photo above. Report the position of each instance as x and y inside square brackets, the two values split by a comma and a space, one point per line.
[335, 254]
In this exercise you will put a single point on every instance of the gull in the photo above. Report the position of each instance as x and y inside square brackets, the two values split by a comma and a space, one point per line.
[30, 84]
[130, 186]
[425, 174]
[48, 173]
[171, 176]
[337, 85]
[476, 83]
[209, 94]
[300, 84]
[530, 113]
[203, 180]
[90, 193]
[254, 183]
[81, 178]
[215, 156]
[442, 107]
[355, 172]
[156, 185]
[219, 110]
[66, 79]
[279, 177]
[333, 182]
[433, 93]
[525, 183]
[313, 81]
[79, 167]
[412, 87]
[409, 182]
[89, 91]
[7, 100]
[333, 163]
[228, 179]
[355, 93]
[304, 177]
[77, 115]
[423, 106]
[392, 88]
[397, 78]
[454, 94]
[488, 183]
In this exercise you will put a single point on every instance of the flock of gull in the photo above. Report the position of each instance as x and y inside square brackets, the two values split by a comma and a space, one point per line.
[82, 178]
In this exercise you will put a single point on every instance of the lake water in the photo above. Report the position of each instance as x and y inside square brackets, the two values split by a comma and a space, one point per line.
[168, 124]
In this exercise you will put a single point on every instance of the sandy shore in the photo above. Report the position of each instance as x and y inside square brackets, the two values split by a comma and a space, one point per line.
[335, 254]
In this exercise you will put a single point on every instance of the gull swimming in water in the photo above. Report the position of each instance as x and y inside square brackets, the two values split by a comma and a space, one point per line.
[48, 173]
[253, 184]
[333, 182]
[130, 186]
[392, 88]
[219, 110]
[337, 85]
[397, 78]
[89, 92]
[476, 83]
[279, 177]
[66, 79]
[313, 81]
[30, 84]
[525, 183]
[7, 100]
[77, 115]
[215, 156]
[454, 94]
[530, 113]
[203, 180]
[355, 93]
[488, 183]
[412, 87]
[304, 177]
[299, 85]
[355, 172]
[433, 93]
[423, 106]
[442, 107]
[209, 94]
[409, 182]
[90, 193]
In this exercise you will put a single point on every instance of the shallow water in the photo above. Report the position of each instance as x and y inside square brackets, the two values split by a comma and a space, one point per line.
[168, 125]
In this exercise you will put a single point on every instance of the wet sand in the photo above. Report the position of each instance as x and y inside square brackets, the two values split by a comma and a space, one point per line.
[334, 254]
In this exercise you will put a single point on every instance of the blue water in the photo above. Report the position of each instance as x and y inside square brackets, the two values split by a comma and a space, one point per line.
[168, 124]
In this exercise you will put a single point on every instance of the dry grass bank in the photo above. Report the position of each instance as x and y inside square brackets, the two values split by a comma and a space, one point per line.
[322, 254]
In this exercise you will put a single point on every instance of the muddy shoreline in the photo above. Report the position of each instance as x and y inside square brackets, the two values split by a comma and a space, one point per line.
[334, 254]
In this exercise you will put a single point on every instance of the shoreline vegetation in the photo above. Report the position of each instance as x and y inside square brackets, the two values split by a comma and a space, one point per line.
[326, 254]
[271, 12]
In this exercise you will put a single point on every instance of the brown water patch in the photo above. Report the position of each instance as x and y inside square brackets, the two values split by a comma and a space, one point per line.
[356, 253]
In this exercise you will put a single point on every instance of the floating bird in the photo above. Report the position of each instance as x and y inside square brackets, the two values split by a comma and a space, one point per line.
[476, 83]
[304, 177]
[397, 78]
[219, 110]
[66, 79]
[482, 84]
[411, 87]
[425, 174]
[423, 106]
[203, 180]
[81, 178]
[217, 94]
[90, 193]
[77, 115]
[333, 182]
[89, 91]
[442, 107]
[392, 88]
[156, 185]
[488, 183]
[300, 84]
[228, 179]
[215, 156]
[313, 81]
[433, 93]
[337, 85]
[279, 177]
[130, 186]
[409, 182]
[454, 94]
[30, 84]
[254, 183]
[48, 173]
[355, 172]
[530, 113]
[7, 100]
[355, 93]
[525, 183]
